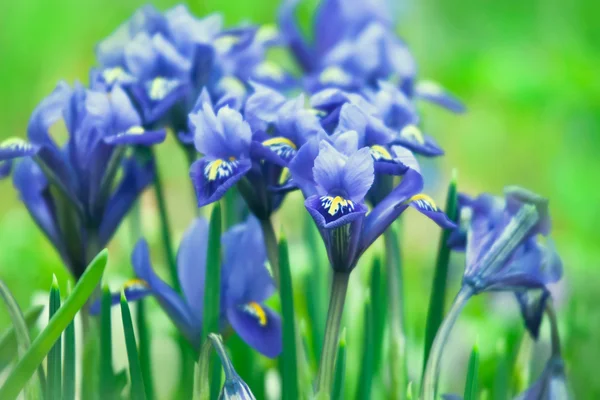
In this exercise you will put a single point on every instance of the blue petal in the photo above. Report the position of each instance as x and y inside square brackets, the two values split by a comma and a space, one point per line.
[134, 289]
[258, 326]
[328, 168]
[291, 33]
[16, 147]
[46, 114]
[5, 168]
[213, 177]
[136, 135]
[157, 96]
[223, 135]
[124, 115]
[358, 174]
[532, 304]
[174, 306]
[425, 205]
[412, 138]
[244, 264]
[331, 212]
[434, 93]
[301, 167]
[135, 179]
[262, 107]
[191, 265]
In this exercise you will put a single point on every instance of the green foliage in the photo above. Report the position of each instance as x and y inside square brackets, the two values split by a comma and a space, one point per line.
[135, 369]
[54, 360]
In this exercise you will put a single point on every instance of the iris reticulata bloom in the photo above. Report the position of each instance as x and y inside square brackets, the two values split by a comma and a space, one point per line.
[72, 190]
[245, 284]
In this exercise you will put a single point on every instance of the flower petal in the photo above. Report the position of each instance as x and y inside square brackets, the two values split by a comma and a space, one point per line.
[413, 139]
[191, 265]
[329, 167]
[532, 304]
[136, 135]
[212, 178]
[433, 92]
[134, 289]
[258, 326]
[425, 205]
[358, 174]
[16, 147]
[331, 212]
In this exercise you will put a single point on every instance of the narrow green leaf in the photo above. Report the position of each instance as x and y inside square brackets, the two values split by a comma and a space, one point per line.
[379, 311]
[472, 374]
[437, 300]
[54, 362]
[32, 390]
[135, 370]
[212, 293]
[45, 340]
[69, 363]
[339, 379]
[289, 356]
[8, 340]
[202, 383]
[366, 372]
[106, 389]
[144, 340]
[120, 381]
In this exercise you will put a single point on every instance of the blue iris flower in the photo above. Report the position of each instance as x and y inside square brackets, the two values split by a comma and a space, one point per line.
[71, 190]
[245, 285]
[354, 48]
[164, 60]
[335, 175]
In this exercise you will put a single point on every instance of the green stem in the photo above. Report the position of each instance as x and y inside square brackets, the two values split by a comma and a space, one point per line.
[272, 248]
[396, 312]
[339, 288]
[555, 336]
[165, 229]
[432, 371]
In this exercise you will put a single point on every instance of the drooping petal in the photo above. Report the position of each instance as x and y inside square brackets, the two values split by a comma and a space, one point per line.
[134, 290]
[433, 92]
[551, 385]
[136, 178]
[5, 168]
[358, 174]
[191, 265]
[244, 264]
[386, 212]
[330, 212]
[174, 306]
[12, 148]
[425, 205]
[212, 178]
[412, 138]
[136, 135]
[532, 304]
[258, 326]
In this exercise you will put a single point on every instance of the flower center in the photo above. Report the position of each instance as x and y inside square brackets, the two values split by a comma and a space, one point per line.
[334, 205]
[219, 169]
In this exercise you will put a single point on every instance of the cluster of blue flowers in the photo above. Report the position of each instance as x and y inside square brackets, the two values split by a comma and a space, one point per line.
[345, 132]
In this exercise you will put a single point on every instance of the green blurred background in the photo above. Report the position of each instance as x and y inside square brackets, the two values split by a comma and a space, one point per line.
[527, 71]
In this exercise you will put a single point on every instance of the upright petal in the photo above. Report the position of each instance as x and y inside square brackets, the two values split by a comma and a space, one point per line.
[329, 168]
[258, 326]
[191, 265]
[358, 174]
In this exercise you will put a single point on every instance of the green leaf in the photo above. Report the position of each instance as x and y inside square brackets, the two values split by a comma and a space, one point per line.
[212, 293]
[379, 311]
[437, 300]
[69, 361]
[135, 370]
[106, 389]
[45, 340]
[144, 348]
[473, 371]
[23, 342]
[8, 340]
[366, 372]
[337, 393]
[54, 362]
[289, 362]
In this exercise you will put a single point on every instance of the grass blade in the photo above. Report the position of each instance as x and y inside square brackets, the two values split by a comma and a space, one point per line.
[339, 379]
[68, 390]
[144, 340]
[8, 340]
[289, 357]
[45, 340]
[135, 369]
[212, 294]
[471, 385]
[378, 296]
[435, 314]
[106, 388]
[366, 374]
[54, 362]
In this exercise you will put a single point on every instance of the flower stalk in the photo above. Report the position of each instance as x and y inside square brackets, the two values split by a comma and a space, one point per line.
[339, 287]
[432, 371]
[555, 336]
[272, 248]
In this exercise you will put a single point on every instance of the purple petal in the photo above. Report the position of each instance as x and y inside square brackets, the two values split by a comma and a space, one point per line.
[389, 208]
[425, 205]
[358, 174]
[331, 212]
[191, 265]
[262, 107]
[277, 151]
[124, 114]
[302, 165]
[157, 96]
[329, 167]
[434, 93]
[292, 35]
[16, 147]
[174, 306]
[258, 326]
[212, 178]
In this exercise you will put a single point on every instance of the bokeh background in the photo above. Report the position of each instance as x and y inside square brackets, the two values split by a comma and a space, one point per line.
[528, 73]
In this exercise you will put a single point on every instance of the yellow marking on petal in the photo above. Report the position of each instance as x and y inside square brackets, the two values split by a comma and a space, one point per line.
[135, 130]
[280, 140]
[336, 203]
[112, 74]
[430, 87]
[225, 43]
[425, 198]
[158, 89]
[214, 169]
[269, 69]
[285, 175]
[13, 141]
[382, 151]
[256, 310]
[135, 282]
[266, 33]
[412, 132]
